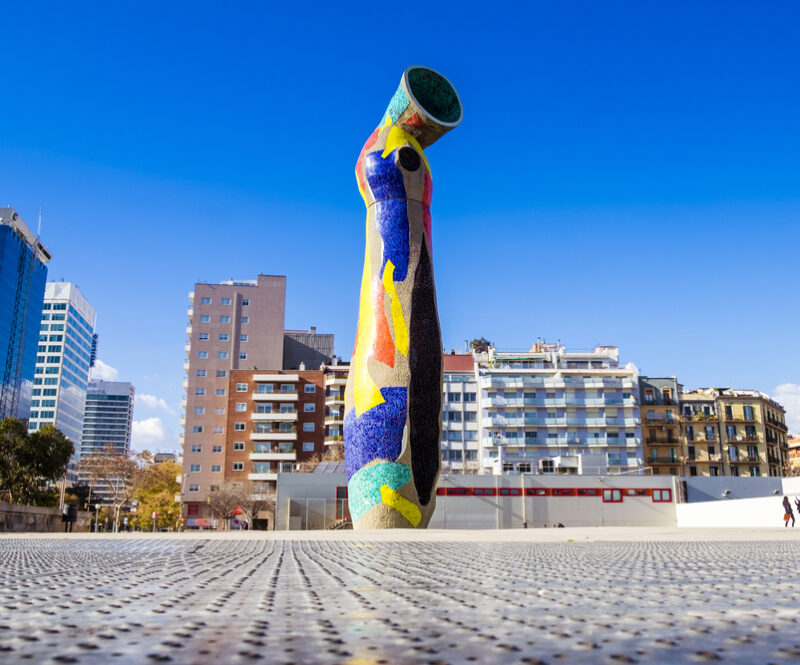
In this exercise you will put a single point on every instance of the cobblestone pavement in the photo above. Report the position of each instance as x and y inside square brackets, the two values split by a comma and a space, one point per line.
[196, 600]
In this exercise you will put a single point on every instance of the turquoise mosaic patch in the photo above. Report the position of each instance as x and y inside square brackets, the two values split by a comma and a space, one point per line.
[397, 105]
[364, 488]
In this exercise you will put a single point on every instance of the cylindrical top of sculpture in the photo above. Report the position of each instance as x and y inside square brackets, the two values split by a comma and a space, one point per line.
[393, 399]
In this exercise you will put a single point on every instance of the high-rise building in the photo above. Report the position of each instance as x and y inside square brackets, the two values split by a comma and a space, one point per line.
[233, 325]
[661, 429]
[306, 349]
[65, 352]
[549, 403]
[108, 418]
[460, 446]
[23, 273]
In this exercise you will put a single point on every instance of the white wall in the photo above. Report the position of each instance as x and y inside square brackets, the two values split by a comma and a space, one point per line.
[760, 512]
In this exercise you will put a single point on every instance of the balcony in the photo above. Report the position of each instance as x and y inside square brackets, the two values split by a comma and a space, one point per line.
[276, 378]
[335, 380]
[334, 400]
[273, 457]
[334, 420]
[664, 460]
[662, 442]
[273, 417]
[744, 438]
[273, 436]
[262, 476]
[334, 440]
[282, 396]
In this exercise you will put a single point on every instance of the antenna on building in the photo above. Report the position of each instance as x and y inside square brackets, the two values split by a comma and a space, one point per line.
[39, 228]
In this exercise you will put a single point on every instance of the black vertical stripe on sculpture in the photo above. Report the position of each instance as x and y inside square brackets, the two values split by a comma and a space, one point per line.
[425, 387]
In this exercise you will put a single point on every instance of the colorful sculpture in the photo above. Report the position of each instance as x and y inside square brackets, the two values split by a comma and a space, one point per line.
[393, 399]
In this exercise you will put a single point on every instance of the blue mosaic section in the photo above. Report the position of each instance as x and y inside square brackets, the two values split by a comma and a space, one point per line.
[377, 433]
[385, 180]
[364, 488]
[391, 217]
[397, 105]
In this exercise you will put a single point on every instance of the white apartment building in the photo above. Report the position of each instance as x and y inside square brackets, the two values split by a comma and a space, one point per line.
[547, 409]
[460, 427]
[66, 343]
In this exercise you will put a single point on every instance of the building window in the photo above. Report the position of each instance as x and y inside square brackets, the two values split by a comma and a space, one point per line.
[205, 301]
[194, 488]
[216, 449]
[239, 427]
[224, 319]
[242, 338]
[242, 356]
[199, 410]
[755, 471]
[197, 429]
[238, 445]
[245, 302]
[264, 408]
[470, 416]
[194, 467]
[202, 337]
[216, 468]
[308, 427]
[308, 446]
[205, 318]
[308, 388]
[222, 355]
[241, 387]
[197, 449]
[222, 373]
[241, 406]
[223, 337]
[287, 388]
[238, 466]
[245, 319]
[225, 301]
[200, 372]
[219, 411]
[218, 429]
[309, 407]
[219, 391]
[662, 496]
[202, 354]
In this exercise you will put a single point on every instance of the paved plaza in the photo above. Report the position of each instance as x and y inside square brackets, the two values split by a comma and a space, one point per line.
[535, 596]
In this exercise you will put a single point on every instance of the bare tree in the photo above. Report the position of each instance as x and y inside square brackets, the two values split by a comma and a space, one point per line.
[224, 499]
[254, 499]
[118, 471]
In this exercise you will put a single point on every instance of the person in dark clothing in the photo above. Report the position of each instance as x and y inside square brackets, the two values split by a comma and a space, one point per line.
[72, 516]
[788, 514]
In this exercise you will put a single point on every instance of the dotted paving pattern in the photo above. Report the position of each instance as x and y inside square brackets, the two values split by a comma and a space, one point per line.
[217, 601]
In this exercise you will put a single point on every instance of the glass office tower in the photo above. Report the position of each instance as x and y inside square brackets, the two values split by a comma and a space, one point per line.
[23, 273]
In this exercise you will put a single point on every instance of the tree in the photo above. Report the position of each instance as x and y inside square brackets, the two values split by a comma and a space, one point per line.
[254, 500]
[119, 472]
[30, 464]
[224, 500]
[156, 494]
[480, 345]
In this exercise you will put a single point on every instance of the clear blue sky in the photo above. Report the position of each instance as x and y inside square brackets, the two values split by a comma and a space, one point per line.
[626, 173]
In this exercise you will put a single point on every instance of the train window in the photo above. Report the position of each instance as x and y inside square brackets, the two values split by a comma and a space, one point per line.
[662, 496]
[457, 491]
[563, 492]
[585, 491]
[612, 496]
[484, 491]
[510, 491]
[536, 491]
[636, 492]
[441, 491]
[341, 492]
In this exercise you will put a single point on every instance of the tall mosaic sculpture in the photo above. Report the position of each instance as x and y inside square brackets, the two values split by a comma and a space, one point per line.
[393, 399]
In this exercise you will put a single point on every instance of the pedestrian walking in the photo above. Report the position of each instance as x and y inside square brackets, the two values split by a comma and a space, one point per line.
[788, 514]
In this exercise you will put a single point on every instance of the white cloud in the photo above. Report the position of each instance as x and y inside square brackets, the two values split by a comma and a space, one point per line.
[788, 395]
[103, 372]
[151, 433]
[153, 402]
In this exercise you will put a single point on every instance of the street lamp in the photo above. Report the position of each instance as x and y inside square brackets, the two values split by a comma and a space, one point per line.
[96, 516]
